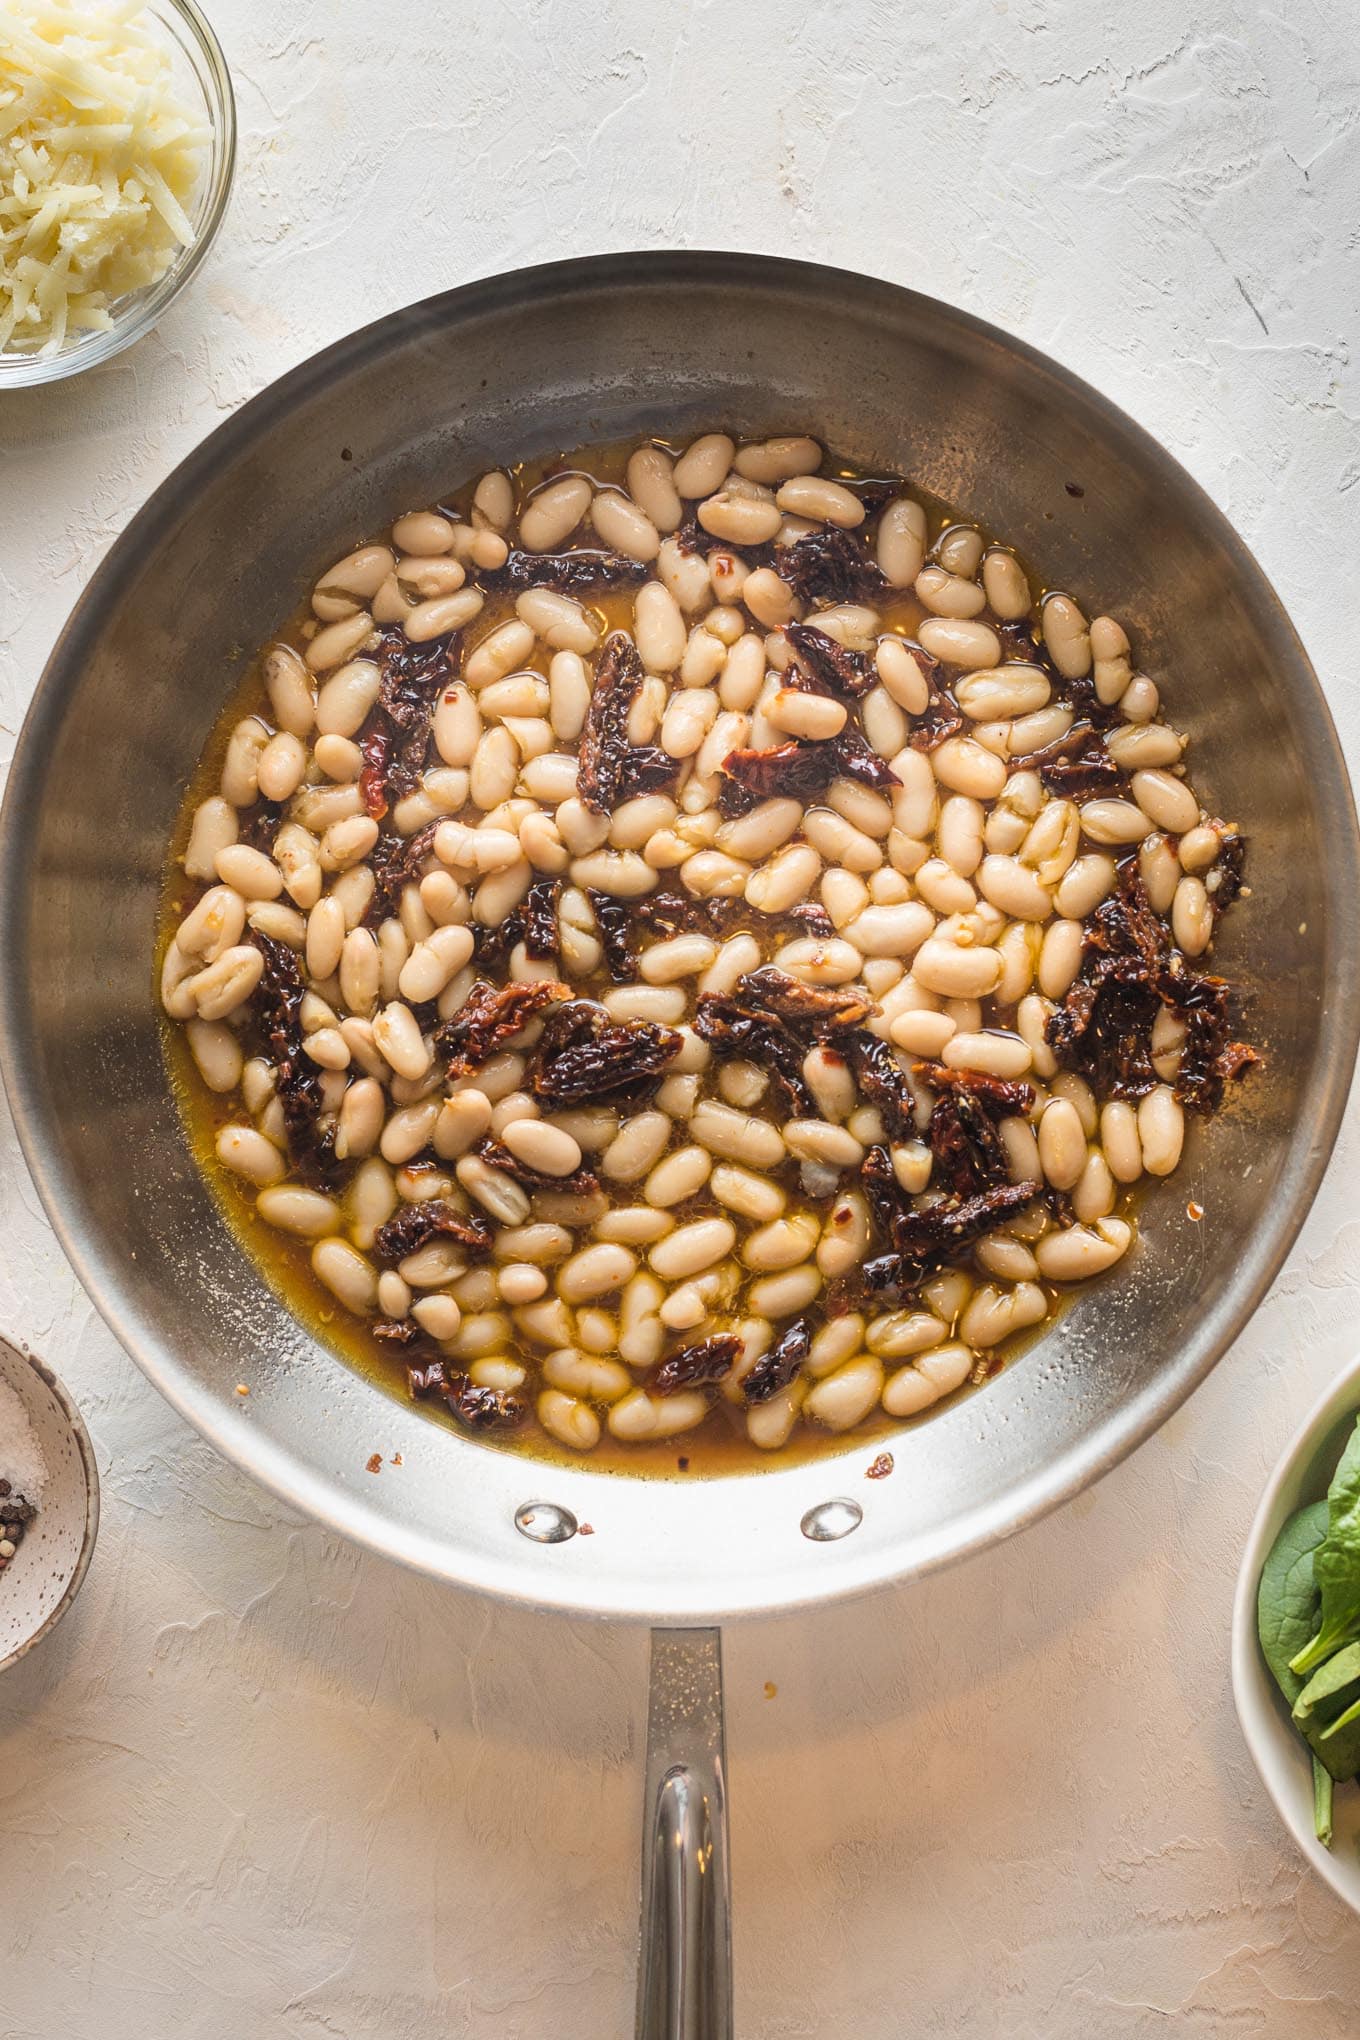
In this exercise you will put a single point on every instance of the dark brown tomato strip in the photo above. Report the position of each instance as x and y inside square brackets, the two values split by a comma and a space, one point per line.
[490, 1016]
[697, 1366]
[432, 1218]
[779, 1364]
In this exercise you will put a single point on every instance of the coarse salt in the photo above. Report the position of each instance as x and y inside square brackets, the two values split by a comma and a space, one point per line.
[21, 1456]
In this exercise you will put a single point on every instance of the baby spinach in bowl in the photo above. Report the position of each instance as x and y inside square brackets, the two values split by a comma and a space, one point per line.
[1308, 1620]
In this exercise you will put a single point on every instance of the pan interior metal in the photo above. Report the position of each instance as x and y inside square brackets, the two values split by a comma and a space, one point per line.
[526, 363]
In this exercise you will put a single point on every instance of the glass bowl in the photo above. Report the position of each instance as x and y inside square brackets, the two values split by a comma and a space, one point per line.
[201, 72]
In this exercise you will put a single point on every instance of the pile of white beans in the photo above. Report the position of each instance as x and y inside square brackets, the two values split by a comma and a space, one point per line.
[957, 902]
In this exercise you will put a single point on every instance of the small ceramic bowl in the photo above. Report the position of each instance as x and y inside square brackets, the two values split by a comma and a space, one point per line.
[1278, 1751]
[206, 83]
[44, 1576]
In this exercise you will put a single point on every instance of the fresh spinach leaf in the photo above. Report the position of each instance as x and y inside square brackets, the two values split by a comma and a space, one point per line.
[1322, 1802]
[1333, 1688]
[1338, 1742]
[1336, 1567]
[1288, 1606]
[1288, 1602]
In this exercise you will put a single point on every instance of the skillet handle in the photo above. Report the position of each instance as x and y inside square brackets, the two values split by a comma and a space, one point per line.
[685, 1958]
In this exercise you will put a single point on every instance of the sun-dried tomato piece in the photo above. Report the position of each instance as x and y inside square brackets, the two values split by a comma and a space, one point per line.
[611, 768]
[1208, 1059]
[396, 1331]
[492, 943]
[277, 1003]
[882, 1080]
[426, 1377]
[490, 1016]
[941, 717]
[779, 1364]
[396, 745]
[856, 759]
[1128, 973]
[540, 919]
[613, 923]
[376, 746]
[770, 1018]
[940, 1232]
[1074, 765]
[789, 771]
[829, 566]
[815, 919]
[710, 1360]
[1003, 1097]
[395, 862]
[968, 1152]
[430, 1219]
[258, 825]
[584, 1183]
[584, 572]
[483, 1409]
[826, 662]
[735, 1028]
[1224, 882]
[825, 1008]
[584, 1054]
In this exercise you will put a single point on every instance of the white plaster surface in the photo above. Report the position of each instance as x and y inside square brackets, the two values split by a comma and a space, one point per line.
[261, 1784]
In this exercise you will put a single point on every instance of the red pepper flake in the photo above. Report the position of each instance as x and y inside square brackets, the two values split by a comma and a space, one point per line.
[374, 1465]
[1194, 1212]
[881, 1467]
[241, 1388]
[396, 1459]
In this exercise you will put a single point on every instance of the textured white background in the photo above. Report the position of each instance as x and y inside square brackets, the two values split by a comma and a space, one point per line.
[261, 1784]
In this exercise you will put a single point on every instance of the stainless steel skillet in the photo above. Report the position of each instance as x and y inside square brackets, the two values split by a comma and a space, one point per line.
[389, 418]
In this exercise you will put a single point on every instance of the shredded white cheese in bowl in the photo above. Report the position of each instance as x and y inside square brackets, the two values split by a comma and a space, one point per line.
[116, 141]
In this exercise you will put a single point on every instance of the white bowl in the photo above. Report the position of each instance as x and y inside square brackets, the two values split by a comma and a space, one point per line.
[43, 1578]
[1279, 1752]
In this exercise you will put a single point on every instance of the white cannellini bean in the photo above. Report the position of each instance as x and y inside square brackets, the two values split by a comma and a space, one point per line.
[1062, 1143]
[1066, 636]
[542, 1147]
[347, 1274]
[846, 1397]
[247, 1153]
[1078, 1251]
[704, 464]
[815, 716]
[957, 641]
[948, 594]
[658, 628]
[623, 526]
[433, 962]
[997, 694]
[901, 543]
[1114, 821]
[1161, 1130]
[1167, 801]
[337, 642]
[553, 513]
[956, 972]
[1192, 916]
[1003, 578]
[738, 519]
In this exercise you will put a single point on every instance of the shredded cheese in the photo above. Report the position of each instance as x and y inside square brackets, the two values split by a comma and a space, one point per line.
[99, 161]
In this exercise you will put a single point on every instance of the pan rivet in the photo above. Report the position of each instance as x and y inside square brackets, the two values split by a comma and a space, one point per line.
[830, 1520]
[546, 1523]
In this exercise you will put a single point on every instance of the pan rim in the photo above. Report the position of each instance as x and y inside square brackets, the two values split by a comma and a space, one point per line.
[571, 1588]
